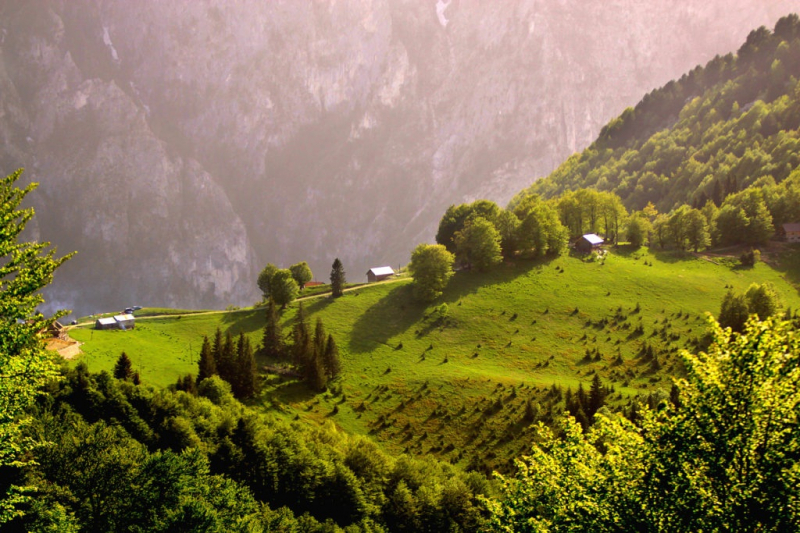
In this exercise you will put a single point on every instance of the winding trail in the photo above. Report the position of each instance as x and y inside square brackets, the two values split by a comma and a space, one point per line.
[249, 309]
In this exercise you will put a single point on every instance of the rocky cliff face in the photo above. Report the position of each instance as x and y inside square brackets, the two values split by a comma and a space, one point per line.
[181, 145]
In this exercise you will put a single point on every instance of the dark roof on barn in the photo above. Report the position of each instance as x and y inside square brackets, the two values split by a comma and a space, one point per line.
[791, 227]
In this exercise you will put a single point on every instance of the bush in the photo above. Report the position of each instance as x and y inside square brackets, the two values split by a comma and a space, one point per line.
[750, 258]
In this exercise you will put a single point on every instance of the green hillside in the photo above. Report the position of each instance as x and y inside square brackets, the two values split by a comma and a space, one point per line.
[717, 130]
[465, 377]
[458, 385]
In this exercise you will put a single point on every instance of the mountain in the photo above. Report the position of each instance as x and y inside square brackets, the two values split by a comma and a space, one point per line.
[181, 145]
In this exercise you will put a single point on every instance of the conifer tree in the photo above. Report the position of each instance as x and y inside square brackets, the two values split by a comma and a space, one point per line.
[226, 360]
[206, 366]
[187, 384]
[245, 373]
[272, 342]
[569, 403]
[216, 348]
[333, 365]
[315, 373]
[302, 347]
[319, 339]
[597, 396]
[581, 398]
[338, 278]
[581, 418]
[124, 368]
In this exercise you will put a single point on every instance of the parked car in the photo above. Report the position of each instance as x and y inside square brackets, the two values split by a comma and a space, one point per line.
[128, 310]
[136, 307]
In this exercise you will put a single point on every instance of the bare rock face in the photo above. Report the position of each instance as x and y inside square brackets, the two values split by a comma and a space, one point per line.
[181, 145]
[148, 223]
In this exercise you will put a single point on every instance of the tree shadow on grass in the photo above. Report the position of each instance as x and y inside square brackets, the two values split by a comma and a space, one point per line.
[627, 250]
[290, 390]
[242, 322]
[317, 304]
[673, 256]
[788, 264]
[399, 311]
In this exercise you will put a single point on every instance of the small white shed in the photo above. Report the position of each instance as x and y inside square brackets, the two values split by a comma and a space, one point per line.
[379, 273]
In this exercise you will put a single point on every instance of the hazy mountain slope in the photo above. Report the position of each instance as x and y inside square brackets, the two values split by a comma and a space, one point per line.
[180, 145]
[715, 131]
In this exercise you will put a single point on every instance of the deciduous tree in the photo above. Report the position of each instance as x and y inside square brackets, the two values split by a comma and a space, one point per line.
[733, 311]
[301, 273]
[697, 234]
[265, 278]
[478, 244]
[763, 300]
[507, 225]
[431, 267]
[283, 288]
[639, 228]
[456, 217]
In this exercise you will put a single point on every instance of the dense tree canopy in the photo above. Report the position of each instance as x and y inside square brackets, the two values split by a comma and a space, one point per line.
[478, 244]
[540, 231]
[133, 458]
[457, 216]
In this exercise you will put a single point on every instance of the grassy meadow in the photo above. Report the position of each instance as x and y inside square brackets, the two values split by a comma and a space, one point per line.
[465, 381]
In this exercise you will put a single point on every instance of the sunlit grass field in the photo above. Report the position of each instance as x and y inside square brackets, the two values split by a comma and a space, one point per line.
[455, 381]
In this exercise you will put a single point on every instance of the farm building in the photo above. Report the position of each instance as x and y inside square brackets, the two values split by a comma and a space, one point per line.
[125, 321]
[57, 339]
[588, 242]
[105, 323]
[379, 274]
[56, 331]
[792, 232]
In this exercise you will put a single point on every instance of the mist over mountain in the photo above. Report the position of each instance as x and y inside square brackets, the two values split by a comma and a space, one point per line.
[181, 145]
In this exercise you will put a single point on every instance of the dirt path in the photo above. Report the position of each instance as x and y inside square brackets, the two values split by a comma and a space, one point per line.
[249, 309]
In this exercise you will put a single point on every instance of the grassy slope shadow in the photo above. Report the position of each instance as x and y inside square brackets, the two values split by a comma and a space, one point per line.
[789, 266]
[399, 311]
